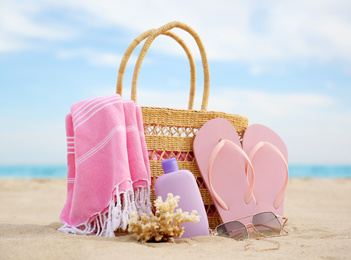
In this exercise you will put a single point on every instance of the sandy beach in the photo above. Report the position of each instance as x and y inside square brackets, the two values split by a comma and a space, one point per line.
[319, 212]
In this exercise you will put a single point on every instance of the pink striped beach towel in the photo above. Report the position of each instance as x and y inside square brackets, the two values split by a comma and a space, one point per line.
[108, 173]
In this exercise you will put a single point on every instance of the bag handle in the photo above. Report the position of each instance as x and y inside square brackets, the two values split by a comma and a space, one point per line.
[135, 43]
[147, 44]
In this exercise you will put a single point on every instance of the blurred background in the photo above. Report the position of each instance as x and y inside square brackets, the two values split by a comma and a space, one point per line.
[284, 64]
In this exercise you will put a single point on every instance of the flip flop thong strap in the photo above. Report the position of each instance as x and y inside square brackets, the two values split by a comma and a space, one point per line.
[252, 154]
[212, 158]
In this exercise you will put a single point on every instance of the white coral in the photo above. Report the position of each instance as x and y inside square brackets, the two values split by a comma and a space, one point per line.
[164, 225]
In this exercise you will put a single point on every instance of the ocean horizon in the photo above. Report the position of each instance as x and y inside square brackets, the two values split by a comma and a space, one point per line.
[60, 171]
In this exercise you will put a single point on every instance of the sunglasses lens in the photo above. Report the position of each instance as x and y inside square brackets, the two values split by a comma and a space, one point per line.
[233, 229]
[267, 223]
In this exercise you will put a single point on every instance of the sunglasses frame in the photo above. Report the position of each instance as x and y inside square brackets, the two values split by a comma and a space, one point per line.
[250, 225]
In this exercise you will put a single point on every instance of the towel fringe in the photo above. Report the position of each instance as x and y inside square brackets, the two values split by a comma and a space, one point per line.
[142, 200]
[119, 210]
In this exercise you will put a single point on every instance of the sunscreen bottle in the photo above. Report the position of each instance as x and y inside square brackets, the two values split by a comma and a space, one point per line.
[182, 183]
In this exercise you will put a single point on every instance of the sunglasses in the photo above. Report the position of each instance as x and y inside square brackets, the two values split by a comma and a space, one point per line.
[265, 224]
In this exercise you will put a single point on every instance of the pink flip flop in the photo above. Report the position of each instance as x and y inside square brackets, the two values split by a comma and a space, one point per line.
[222, 163]
[269, 156]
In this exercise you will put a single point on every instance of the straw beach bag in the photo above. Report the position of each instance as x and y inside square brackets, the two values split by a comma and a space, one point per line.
[170, 132]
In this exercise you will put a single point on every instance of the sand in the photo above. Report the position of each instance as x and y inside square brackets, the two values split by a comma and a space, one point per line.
[319, 226]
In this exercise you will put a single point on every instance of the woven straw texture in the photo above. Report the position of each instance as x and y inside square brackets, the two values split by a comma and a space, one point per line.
[171, 132]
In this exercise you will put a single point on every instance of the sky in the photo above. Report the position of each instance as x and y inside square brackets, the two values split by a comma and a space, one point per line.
[283, 64]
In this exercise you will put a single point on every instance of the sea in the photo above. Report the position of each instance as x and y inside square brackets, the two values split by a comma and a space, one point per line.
[60, 171]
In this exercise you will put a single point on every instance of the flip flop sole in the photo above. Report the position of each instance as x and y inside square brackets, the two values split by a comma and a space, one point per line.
[267, 152]
[228, 176]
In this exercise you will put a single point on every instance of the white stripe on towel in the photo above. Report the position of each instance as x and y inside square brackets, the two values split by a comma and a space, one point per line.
[91, 102]
[132, 128]
[97, 110]
[100, 145]
[70, 145]
[76, 117]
